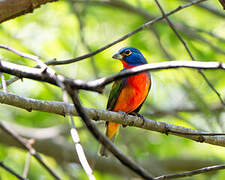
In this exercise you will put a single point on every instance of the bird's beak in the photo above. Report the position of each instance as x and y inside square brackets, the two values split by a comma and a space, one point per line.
[117, 56]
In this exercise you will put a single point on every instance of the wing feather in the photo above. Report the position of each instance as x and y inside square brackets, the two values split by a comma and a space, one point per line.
[114, 93]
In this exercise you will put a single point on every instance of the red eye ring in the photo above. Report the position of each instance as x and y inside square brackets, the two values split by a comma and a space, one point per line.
[127, 52]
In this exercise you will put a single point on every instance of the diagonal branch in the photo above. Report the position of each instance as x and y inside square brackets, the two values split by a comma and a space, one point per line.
[144, 26]
[3, 84]
[188, 51]
[192, 173]
[104, 140]
[11, 171]
[41, 75]
[76, 139]
[29, 149]
[12, 8]
[222, 2]
[83, 39]
[54, 147]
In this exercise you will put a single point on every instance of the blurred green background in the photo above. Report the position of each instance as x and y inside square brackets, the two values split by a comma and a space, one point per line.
[67, 29]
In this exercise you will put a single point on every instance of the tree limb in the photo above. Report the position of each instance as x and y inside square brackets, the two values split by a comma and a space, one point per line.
[144, 26]
[58, 108]
[188, 51]
[13, 8]
[41, 75]
[99, 136]
[29, 149]
[11, 171]
[192, 173]
[62, 151]
[98, 85]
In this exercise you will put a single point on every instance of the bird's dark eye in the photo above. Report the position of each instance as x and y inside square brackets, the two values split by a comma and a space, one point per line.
[127, 52]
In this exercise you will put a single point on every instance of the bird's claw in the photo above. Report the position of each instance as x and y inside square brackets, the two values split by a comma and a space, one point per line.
[166, 130]
[138, 115]
[124, 115]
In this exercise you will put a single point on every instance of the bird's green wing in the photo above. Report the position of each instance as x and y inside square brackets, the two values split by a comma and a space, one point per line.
[114, 94]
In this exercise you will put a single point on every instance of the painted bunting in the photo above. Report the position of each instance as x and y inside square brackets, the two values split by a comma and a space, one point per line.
[128, 94]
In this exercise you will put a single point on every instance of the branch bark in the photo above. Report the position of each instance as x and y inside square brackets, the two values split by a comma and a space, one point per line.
[30, 149]
[126, 161]
[11, 171]
[222, 2]
[192, 173]
[98, 85]
[42, 75]
[59, 108]
[63, 151]
[13, 8]
[144, 26]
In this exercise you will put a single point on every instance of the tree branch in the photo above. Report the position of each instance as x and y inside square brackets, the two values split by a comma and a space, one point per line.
[144, 26]
[76, 139]
[53, 147]
[41, 75]
[11, 171]
[191, 173]
[13, 8]
[98, 85]
[29, 149]
[188, 51]
[104, 140]
[59, 108]
[158, 66]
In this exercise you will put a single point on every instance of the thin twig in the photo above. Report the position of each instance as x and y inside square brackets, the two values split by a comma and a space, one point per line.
[23, 54]
[212, 34]
[54, 62]
[164, 50]
[59, 81]
[104, 140]
[210, 9]
[27, 165]
[145, 14]
[31, 150]
[196, 37]
[41, 75]
[83, 40]
[197, 134]
[11, 171]
[189, 52]
[76, 139]
[3, 82]
[60, 144]
[191, 173]
[28, 159]
[146, 25]
[10, 81]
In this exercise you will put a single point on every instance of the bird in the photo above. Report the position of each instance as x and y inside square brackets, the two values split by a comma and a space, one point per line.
[128, 94]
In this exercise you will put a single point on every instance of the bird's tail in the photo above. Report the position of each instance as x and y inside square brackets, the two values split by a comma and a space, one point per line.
[111, 129]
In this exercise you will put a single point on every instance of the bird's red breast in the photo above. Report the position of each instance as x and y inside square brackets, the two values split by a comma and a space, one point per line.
[133, 94]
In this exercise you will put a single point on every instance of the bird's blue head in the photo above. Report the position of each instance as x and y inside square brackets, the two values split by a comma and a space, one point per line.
[130, 57]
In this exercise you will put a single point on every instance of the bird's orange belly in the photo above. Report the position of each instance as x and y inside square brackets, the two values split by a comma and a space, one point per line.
[133, 94]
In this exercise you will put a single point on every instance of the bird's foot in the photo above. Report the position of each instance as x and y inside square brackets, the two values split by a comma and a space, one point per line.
[166, 129]
[138, 115]
[124, 115]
